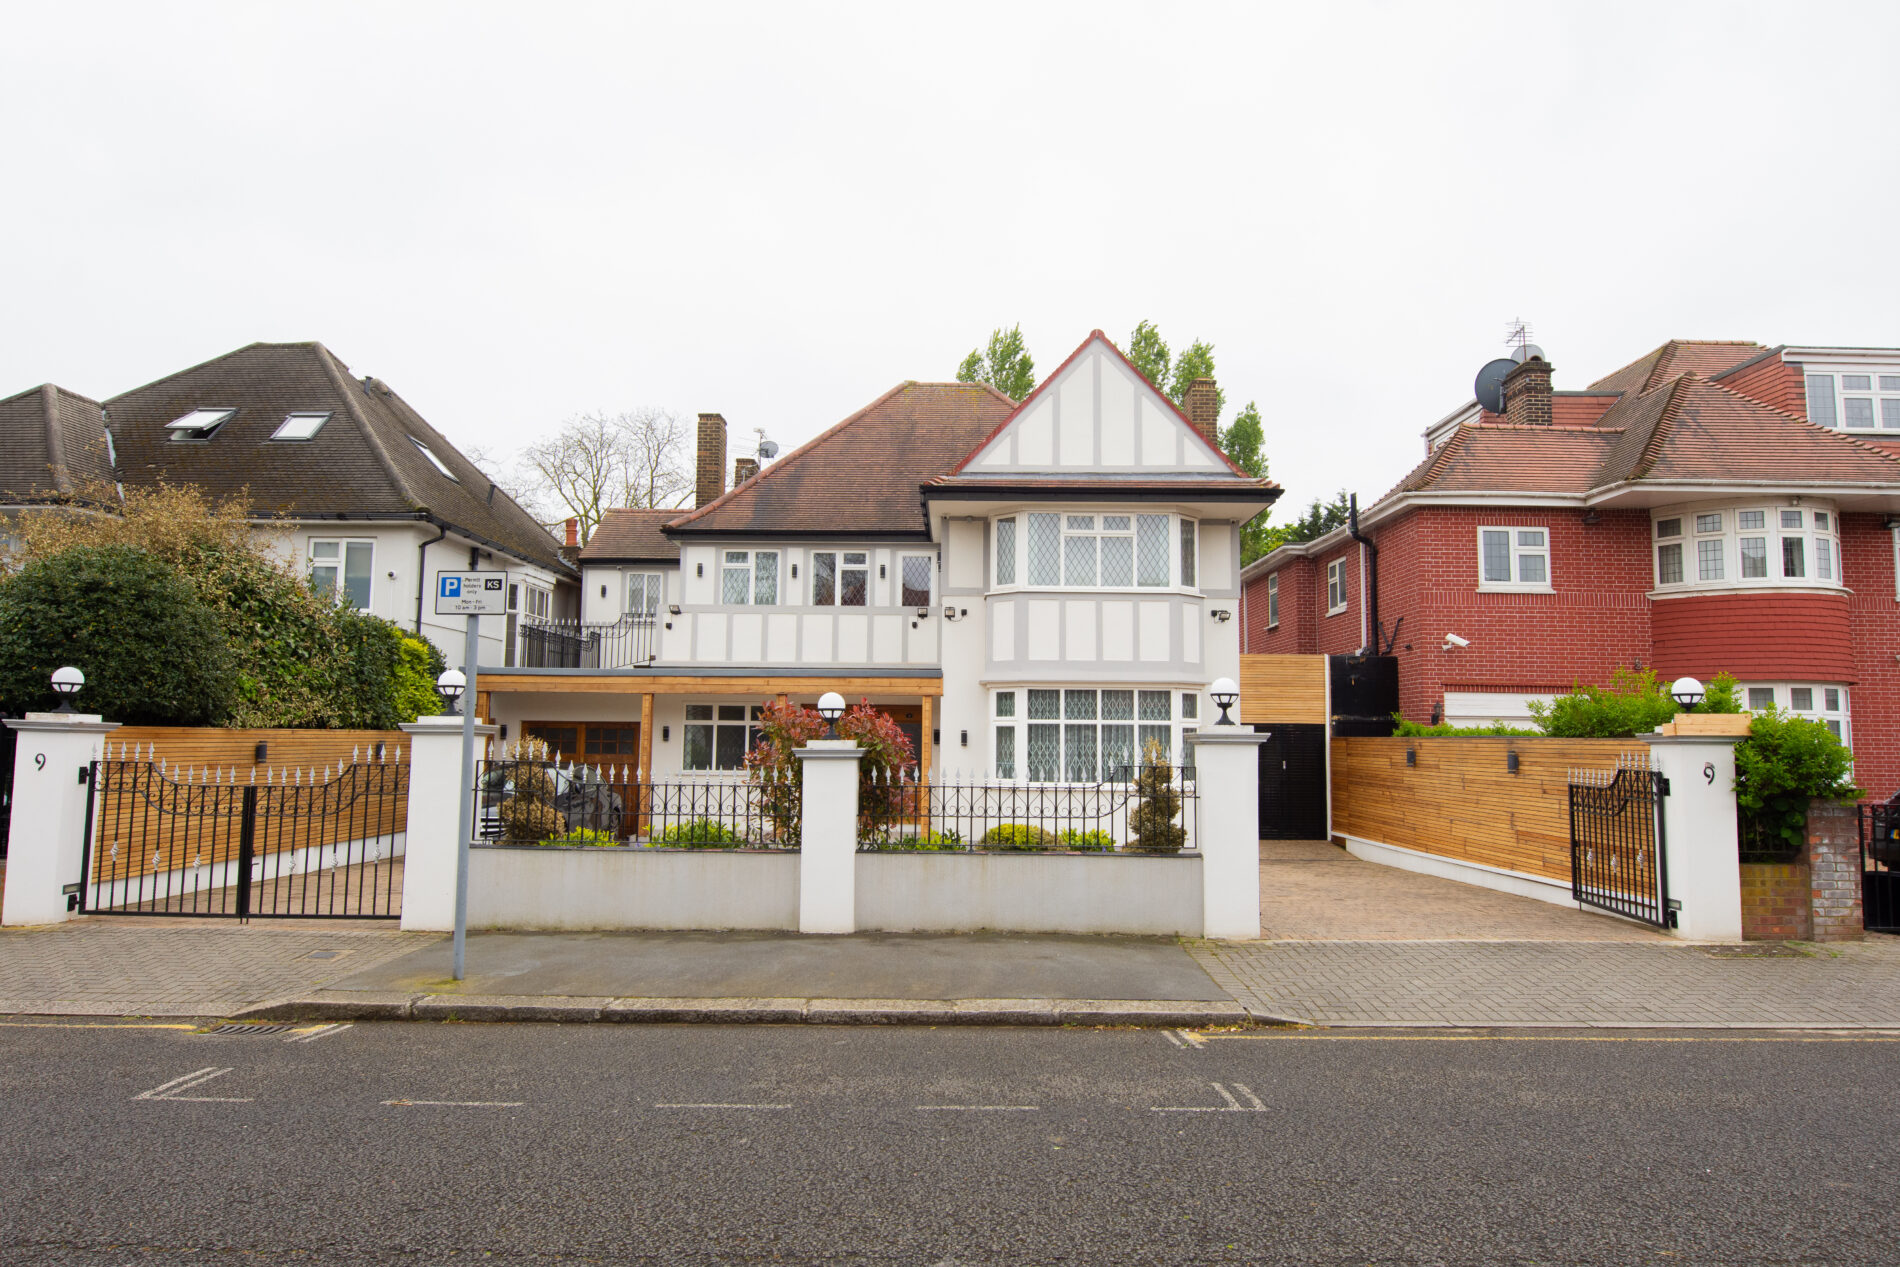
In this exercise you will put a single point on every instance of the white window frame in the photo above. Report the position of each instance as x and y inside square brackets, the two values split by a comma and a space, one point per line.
[1181, 546]
[1517, 552]
[839, 566]
[749, 722]
[749, 562]
[1840, 720]
[1883, 398]
[1273, 593]
[200, 424]
[341, 564]
[930, 580]
[297, 428]
[1338, 593]
[1018, 721]
[434, 461]
[653, 584]
[540, 602]
[1815, 540]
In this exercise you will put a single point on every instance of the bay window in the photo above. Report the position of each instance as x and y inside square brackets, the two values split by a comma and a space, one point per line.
[1742, 545]
[1093, 550]
[1069, 735]
[1816, 701]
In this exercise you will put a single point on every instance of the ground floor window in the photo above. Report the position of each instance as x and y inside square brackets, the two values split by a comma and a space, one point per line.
[595, 742]
[1070, 735]
[1816, 701]
[719, 735]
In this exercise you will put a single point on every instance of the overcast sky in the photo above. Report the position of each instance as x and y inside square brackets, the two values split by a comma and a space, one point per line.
[514, 213]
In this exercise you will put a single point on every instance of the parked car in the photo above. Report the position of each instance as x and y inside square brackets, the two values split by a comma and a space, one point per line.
[582, 798]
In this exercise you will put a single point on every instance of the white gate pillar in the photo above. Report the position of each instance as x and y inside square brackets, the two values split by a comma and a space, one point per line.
[1701, 850]
[828, 837]
[435, 780]
[52, 768]
[1227, 831]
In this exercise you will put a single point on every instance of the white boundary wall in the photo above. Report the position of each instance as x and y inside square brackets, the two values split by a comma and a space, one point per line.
[1039, 893]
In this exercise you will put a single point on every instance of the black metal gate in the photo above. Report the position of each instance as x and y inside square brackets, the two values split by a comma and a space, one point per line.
[1293, 782]
[1880, 866]
[9, 740]
[1618, 852]
[312, 844]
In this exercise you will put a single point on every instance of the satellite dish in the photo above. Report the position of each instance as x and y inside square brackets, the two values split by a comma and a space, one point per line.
[1526, 351]
[768, 449]
[1489, 388]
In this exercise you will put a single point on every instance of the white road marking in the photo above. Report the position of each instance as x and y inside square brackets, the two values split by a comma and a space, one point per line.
[322, 1031]
[1232, 1105]
[722, 1106]
[1171, 1037]
[978, 1108]
[457, 1104]
[186, 1082]
[1191, 1038]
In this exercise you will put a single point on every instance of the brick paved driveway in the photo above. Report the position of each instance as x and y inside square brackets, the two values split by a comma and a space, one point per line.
[154, 967]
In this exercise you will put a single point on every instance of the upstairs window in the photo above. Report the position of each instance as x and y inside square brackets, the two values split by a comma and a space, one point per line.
[1088, 550]
[749, 576]
[840, 579]
[1513, 559]
[300, 426]
[1273, 600]
[916, 580]
[434, 461]
[199, 424]
[343, 568]
[1335, 587]
[1747, 545]
[644, 590]
[1864, 401]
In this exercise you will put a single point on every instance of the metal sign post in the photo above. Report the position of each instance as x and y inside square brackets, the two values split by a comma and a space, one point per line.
[473, 594]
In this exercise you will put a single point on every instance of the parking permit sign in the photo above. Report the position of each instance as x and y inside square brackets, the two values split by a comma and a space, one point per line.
[471, 593]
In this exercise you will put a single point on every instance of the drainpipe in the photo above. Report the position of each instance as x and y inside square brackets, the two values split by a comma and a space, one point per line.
[422, 573]
[1372, 568]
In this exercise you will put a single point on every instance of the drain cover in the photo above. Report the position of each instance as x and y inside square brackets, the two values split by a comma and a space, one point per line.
[324, 954]
[239, 1028]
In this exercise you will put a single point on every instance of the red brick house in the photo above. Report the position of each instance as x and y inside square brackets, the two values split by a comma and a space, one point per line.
[1712, 506]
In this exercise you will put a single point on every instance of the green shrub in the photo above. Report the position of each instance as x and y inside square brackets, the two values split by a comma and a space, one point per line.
[1086, 841]
[926, 842]
[1403, 729]
[1633, 703]
[584, 836]
[701, 833]
[418, 664]
[1151, 825]
[152, 652]
[1017, 836]
[1784, 763]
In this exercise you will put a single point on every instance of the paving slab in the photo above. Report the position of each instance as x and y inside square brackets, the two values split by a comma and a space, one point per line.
[861, 966]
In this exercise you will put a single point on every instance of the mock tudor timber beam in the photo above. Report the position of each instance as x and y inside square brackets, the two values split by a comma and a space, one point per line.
[609, 683]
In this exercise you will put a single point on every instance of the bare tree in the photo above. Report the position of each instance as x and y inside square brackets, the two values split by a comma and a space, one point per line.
[598, 461]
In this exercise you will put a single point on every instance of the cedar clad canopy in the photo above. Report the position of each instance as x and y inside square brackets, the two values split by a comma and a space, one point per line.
[52, 445]
[861, 477]
[362, 460]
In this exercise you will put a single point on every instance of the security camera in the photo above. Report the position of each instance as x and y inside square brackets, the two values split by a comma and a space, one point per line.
[1453, 640]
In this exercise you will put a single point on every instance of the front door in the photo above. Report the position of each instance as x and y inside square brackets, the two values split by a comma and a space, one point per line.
[1293, 782]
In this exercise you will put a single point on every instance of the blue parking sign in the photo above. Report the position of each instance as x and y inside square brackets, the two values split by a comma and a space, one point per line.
[451, 587]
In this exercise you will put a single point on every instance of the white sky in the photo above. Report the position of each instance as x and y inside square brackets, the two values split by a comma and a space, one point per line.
[514, 213]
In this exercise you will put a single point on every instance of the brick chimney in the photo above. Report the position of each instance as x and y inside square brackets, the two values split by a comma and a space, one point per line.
[1202, 407]
[1527, 394]
[743, 469]
[573, 532]
[709, 477]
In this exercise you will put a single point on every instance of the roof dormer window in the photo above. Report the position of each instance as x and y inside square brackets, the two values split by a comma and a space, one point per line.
[300, 426]
[435, 461]
[1855, 402]
[199, 424]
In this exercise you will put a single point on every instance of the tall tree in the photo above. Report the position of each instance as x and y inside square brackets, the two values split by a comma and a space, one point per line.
[1004, 365]
[1196, 362]
[598, 461]
[1245, 443]
[1149, 352]
[1320, 518]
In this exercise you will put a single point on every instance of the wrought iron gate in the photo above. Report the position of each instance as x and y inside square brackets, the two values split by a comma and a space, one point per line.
[1618, 853]
[314, 844]
[1880, 866]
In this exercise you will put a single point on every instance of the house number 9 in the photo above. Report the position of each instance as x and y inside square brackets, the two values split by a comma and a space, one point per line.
[39, 761]
[1708, 773]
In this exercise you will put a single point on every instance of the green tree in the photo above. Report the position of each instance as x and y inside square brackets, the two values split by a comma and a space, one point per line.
[1005, 365]
[1320, 518]
[1196, 362]
[153, 653]
[1149, 352]
[1245, 443]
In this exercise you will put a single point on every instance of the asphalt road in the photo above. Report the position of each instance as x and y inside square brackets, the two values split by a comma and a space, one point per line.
[421, 1143]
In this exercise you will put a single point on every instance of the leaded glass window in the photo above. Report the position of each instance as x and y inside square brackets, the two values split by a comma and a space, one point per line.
[1151, 549]
[1045, 549]
[1006, 551]
[1189, 543]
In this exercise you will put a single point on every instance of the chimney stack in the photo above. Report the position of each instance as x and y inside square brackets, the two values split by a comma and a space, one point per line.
[1527, 393]
[573, 532]
[1202, 407]
[743, 469]
[709, 476]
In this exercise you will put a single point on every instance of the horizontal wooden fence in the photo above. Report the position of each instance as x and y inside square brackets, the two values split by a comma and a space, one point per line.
[206, 747]
[1458, 798]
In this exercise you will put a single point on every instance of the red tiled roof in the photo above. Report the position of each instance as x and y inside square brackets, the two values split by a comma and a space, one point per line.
[1497, 457]
[632, 534]
[1701, 357]
[1707, 432]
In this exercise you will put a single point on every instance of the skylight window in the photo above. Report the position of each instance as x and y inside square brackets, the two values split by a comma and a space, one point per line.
[429, 453]
[300, 426]
[199, 424]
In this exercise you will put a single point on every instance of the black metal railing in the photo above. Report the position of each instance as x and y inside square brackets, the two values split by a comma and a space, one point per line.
[303, 843]
[1618, 850]
[538, 801]
[9, 739]
[1147, 809]
[569, 644]
[1880, 866]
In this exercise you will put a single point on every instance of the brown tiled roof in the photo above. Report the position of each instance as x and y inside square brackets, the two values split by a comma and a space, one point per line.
[631, 534]
[1701, 357]
[1703, 431]
[862, 475]
[52, 444]
[361, 463]
[1497, 457]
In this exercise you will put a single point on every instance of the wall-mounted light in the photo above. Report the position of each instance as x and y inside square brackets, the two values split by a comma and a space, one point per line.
[603, 591]
[504, 732]
[666, 734]
[880, 571]
[1222, 615]
[922, 612]
[1591, 517]
[1510, 762]
[936, 737]
[794, 571]
[260, 754]
[964, 738]
[1411, 756]
[699, 569]
[672, 609]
